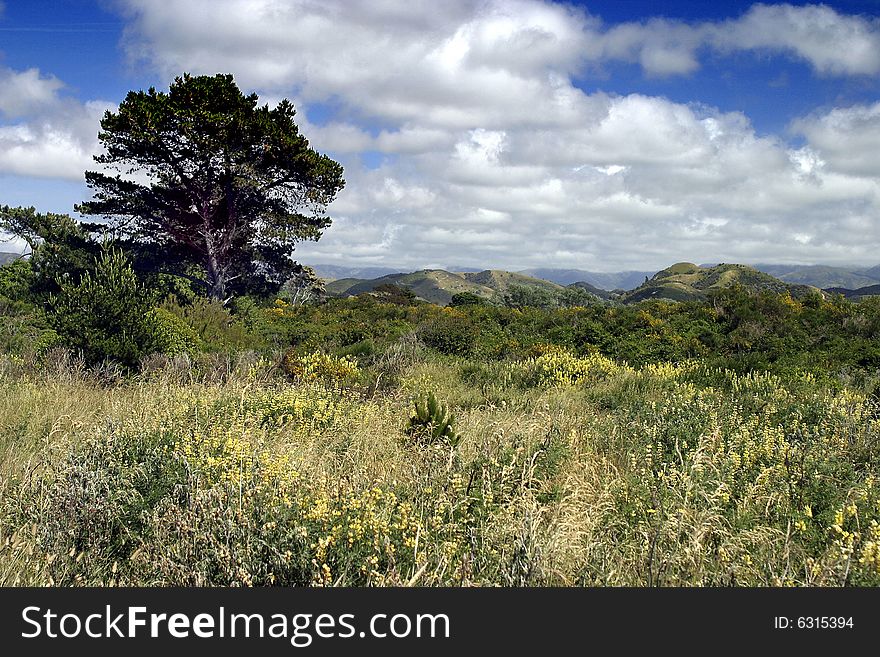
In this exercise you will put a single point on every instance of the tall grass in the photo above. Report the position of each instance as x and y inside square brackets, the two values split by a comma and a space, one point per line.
[569, 472]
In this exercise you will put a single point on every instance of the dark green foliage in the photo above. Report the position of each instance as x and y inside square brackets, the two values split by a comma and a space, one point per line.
[171, 334]
[432, 422]
[105, 315]
[15, 280]
[454, 334]
[527, 296]
[521, 296]
[61, 248]
[396, 294]
[213, 325]
[466, 299]
[233, 186]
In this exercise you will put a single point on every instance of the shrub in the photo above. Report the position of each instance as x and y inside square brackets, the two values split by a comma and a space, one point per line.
[559, 367]
[466, 299]
[450, 333]
[106, 314]
[318, 366]
[171, 334]
[213, 325]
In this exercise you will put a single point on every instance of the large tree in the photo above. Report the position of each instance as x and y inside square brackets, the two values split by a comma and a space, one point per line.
[210, 185]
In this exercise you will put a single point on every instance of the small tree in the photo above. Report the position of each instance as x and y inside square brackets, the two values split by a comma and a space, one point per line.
[466, 299]
[303, 287]
[106, 314]
[61, 248]
[226, 188]
[396, 294]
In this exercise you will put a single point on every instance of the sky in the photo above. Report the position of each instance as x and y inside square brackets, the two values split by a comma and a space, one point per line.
[505, 134]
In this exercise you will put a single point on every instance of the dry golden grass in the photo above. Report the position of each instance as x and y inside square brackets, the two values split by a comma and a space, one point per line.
[665, 476]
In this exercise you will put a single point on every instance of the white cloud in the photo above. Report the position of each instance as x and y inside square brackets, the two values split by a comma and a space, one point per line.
[493, 155]
[24, 92]
[832, 43]
[847, 139]
[661, 47]
[44, 134]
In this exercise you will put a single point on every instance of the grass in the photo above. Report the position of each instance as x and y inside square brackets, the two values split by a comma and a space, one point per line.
[568, 472]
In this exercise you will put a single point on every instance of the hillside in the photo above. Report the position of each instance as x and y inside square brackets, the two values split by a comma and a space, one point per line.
[7, 257]
[605, 295]
[686, 281]
[438, 285]
[500, 281]
[819, 276]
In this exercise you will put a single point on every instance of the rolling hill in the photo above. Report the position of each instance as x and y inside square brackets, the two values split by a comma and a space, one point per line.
[438, 285]
[858, 293]
[686, 281]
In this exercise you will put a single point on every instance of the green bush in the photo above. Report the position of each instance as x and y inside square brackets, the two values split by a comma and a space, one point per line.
[451, 333]
[106, 314]
[215, 328]
[171, 334]
[466, 299]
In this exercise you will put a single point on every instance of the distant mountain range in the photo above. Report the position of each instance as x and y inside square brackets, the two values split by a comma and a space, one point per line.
[684, 281]
[819, 276]
[335, 272]
[620, 280]
[859, 293]
[824, 277]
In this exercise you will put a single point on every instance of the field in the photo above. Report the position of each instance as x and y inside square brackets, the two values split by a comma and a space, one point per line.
[565, 464]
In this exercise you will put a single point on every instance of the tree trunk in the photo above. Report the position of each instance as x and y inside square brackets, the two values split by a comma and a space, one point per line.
[216, 277]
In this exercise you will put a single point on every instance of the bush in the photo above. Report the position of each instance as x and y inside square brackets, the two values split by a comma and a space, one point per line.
[466, 299]
[106, 314]
[211, 323]
[319, 366]
[450, 333]
[171, 334]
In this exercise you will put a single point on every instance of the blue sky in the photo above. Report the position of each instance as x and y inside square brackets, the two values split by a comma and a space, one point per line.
[490, 133]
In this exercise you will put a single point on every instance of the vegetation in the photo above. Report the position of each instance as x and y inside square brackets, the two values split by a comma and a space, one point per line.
[439, 286]
[728, 442]
[251, 431]
[231, 186]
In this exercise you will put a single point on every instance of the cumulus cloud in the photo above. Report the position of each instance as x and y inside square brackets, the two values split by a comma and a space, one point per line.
[832, 43]
[492, 155]
[847, 139]
[27, 91]
[42, 133]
